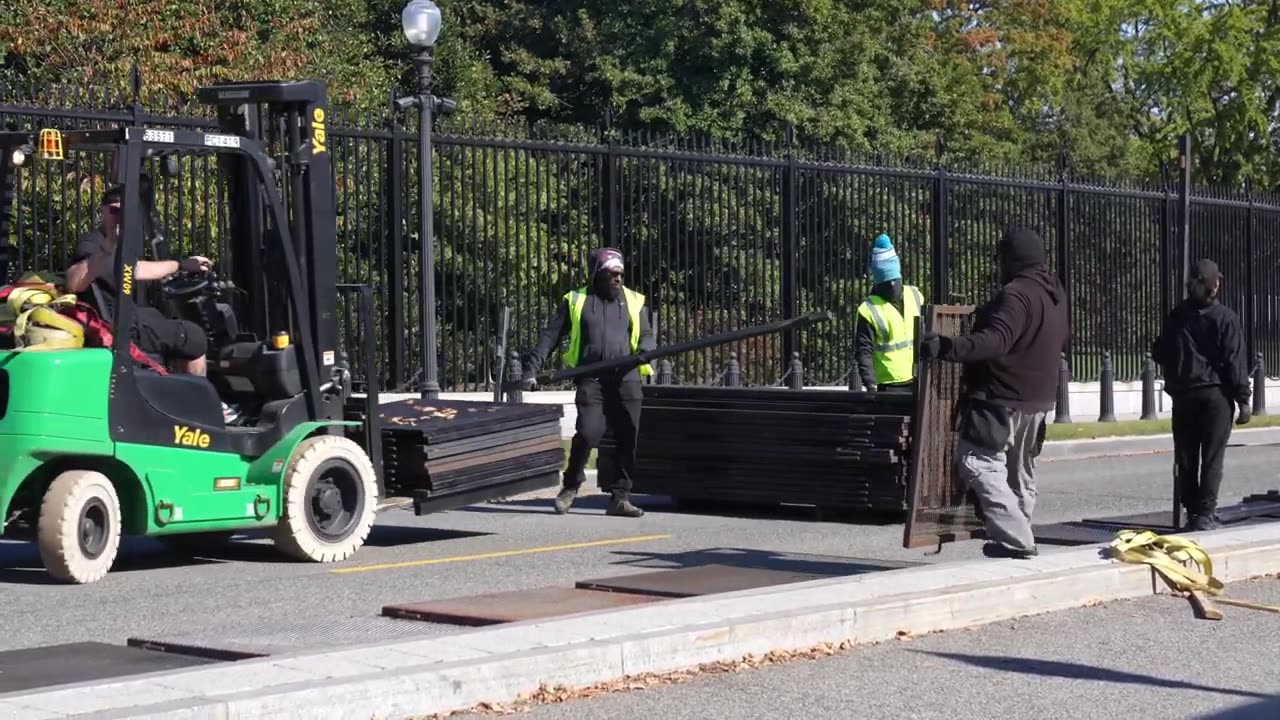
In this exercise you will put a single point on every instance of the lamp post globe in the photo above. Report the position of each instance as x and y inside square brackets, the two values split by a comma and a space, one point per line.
[421, 23]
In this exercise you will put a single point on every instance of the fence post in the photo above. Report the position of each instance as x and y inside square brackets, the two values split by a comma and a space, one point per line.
[664, 372]
[1149, 388]
[1184, 202]
[1248, 319]
[940, 267]
[514, 372]
[1062, 413]
[1063, 254]
[732, 371]
[790, 245]
[795, 373]
[1106, 394]
[393, 193]
[1259, 387]
[610, 183]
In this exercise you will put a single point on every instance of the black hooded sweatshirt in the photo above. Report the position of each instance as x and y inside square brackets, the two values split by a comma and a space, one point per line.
[1012, 355]
[606, 332]
[1202, 345]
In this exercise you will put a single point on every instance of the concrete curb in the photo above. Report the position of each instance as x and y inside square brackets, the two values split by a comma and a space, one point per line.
[1143, 445]
[460, 670]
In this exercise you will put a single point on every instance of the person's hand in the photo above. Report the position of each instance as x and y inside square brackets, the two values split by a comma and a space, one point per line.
[1245, 414]
[195, 264]
[528, 376]
[933, 346]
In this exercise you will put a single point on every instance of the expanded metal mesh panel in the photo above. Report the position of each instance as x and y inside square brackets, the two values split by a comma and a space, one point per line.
[938, 509]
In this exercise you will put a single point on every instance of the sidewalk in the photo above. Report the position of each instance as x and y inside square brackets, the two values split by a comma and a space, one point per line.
[460, 670]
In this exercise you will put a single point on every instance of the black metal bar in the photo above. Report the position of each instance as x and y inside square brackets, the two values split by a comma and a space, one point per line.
[499, 369]
[1106, 393]
[1148, 388]
[393, 195]
[790, 249]
[1250, 299]
[941, 258]
[1184, 203]
[1062, 412]
[1259, 386]
[369, 361]
[640, 358]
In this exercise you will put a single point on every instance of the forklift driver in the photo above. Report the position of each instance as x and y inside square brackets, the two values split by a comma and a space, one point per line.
[180, 342]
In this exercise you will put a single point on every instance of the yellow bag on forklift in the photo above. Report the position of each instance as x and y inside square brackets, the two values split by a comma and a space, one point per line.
[32, 303]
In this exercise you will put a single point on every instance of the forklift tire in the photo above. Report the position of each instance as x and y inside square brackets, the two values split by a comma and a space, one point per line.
[330, 499]
[79, 527]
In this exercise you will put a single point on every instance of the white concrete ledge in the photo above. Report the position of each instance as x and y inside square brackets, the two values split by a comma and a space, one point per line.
[458, 671]
[1145, 444]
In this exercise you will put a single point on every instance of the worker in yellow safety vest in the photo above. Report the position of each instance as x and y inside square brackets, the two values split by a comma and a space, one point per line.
[603, 321]
[885, 332]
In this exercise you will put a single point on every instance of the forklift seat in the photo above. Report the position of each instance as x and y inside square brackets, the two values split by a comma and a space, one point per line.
[250, 373]
[190, 398]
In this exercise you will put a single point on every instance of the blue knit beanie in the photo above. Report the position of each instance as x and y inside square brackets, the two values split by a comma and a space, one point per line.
[885, 265]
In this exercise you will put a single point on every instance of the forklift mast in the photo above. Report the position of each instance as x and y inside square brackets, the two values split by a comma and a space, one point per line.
[289, 119]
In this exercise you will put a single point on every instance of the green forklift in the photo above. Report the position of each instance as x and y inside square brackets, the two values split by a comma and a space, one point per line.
[96, 445]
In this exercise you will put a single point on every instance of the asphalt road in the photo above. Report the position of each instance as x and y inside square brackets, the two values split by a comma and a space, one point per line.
[507, 546]
[1146, 658]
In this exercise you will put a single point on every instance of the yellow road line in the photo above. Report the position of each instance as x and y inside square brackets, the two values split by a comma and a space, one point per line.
[502, 554]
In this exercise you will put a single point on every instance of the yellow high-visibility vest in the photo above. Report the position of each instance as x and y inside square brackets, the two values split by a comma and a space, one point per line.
[577, 300]
[894, 334]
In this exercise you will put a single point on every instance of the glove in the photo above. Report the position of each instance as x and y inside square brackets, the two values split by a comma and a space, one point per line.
[528, 377]
[1245, 414]
[934, 346]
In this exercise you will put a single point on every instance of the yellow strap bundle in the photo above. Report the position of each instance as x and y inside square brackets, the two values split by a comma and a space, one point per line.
[1169, 555]
[38, 325]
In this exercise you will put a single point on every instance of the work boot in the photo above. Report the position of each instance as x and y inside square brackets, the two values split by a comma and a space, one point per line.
[1203, 522]
[997, 550]
[565, 499]
[624, 508]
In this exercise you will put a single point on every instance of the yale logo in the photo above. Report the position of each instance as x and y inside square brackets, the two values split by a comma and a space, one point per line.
[317, 131]
[190, 437]
[126, 284]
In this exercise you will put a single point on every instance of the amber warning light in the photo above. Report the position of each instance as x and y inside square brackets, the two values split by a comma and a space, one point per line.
[50, 144]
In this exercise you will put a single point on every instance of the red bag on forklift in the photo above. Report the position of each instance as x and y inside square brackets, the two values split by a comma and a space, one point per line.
[37, 301]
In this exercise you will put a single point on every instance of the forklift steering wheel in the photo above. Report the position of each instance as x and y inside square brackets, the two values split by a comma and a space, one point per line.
[185, 285]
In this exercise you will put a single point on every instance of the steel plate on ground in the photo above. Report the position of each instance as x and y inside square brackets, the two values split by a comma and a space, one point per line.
[1073, 533]
[695, 581]
[82, 662]
[1163, 519]
[239, 641]
[515, 606]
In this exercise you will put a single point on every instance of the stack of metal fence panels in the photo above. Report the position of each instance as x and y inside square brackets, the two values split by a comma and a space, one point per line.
[434, 448]
[827, 448]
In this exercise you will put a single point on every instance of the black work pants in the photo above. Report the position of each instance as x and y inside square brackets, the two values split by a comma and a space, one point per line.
[615, 403]
[1201, 427]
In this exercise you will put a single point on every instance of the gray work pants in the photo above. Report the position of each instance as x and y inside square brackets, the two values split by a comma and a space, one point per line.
[1004, 481]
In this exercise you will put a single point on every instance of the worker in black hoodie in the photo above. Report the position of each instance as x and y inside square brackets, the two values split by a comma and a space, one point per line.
[1201, 350]
[1009, 382]
[603, 321]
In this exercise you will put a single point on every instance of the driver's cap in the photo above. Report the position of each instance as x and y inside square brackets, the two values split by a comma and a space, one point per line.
[113, 196]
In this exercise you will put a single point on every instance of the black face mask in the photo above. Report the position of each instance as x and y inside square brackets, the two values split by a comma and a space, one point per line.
[890, 290]
[1198, 291]
[604, 287]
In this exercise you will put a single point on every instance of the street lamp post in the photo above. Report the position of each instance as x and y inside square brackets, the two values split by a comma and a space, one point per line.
[421, 23]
